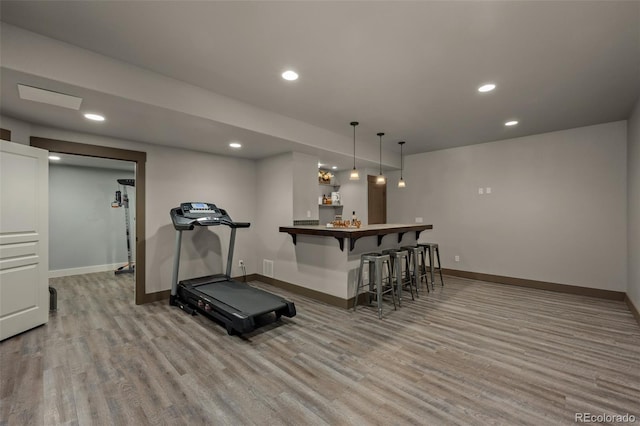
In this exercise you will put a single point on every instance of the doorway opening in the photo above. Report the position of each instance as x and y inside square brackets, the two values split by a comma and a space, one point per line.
[137, 157]
[90, 230]
[377, 201]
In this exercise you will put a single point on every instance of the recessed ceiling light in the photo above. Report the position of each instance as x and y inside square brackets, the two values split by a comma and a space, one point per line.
[486, 87]
[334, 167]
[511, 123]
[235, 145]
[290, 75]
[54, 158]
[94, 117]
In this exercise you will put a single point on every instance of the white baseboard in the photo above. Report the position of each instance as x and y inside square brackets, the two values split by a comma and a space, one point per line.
[84, 270]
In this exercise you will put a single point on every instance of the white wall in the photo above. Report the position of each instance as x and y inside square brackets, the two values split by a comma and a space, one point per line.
[557, 213]
[177, 175]
[633, 197]
[84, 230]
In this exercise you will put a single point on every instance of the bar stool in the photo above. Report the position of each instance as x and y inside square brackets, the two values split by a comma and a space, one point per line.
[376, 285]
[432, 248]
[416, 257]
[402, 278]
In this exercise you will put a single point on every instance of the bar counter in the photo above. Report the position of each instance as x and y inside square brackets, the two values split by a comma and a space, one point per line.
[353, 234]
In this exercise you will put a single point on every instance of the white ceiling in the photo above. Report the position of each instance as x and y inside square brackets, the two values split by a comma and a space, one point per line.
[409, 69]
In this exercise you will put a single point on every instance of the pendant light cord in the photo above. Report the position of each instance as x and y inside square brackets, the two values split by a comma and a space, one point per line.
[401, 160]
[354, 124]
[381, 135]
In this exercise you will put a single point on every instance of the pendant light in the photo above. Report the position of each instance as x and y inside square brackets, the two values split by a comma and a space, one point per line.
[401, 182]
[354, 173]
[381, 180]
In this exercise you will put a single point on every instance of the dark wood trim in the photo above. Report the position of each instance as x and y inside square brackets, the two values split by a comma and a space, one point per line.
[303, 291]
[541, 285]
[66, 147]
[140, 158]
[5, 134]
[159, 295]
[632, 308]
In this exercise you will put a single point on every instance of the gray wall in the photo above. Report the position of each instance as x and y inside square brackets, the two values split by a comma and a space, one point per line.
[84, 230]
[557, 211]
[633, 188]
[275, 205]
[176, 175]
[581, 239]
[305, 184]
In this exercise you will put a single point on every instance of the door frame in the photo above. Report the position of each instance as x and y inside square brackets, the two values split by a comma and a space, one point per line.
[140, 158]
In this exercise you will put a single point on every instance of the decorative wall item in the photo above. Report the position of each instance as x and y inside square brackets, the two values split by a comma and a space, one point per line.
[324, 177]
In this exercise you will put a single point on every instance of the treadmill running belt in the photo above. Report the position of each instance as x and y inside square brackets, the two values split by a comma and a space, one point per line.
[242, 297]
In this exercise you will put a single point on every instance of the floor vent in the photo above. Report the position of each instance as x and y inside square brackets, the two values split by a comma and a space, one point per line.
[267, 268]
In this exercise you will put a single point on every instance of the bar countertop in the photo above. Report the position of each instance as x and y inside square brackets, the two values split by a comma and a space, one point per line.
[354, 233]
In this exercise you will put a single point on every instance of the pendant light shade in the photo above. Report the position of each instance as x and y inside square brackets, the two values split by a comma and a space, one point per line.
[401, 182]
[381, 180]
[354, 173]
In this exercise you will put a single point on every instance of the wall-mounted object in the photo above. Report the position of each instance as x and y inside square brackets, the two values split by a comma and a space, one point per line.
[324, 177]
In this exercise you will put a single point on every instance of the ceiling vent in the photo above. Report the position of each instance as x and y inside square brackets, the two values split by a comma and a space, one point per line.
[48, 97]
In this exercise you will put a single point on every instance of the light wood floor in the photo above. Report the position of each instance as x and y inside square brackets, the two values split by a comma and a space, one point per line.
[471, 353]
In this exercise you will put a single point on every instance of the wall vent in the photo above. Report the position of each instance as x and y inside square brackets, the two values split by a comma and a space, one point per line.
[267, 268]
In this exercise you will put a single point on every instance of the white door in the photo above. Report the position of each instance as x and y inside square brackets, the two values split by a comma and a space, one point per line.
[24, 238]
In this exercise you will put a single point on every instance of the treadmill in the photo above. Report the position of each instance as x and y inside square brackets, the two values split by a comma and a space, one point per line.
[235, 304]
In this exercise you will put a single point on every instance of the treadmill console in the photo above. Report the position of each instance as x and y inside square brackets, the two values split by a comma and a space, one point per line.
[198, 210]
[201, 213]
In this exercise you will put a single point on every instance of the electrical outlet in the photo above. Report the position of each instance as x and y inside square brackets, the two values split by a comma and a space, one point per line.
[241, 263]
[418, 220]
[480, 191]
[488, 190]
[457, 258]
